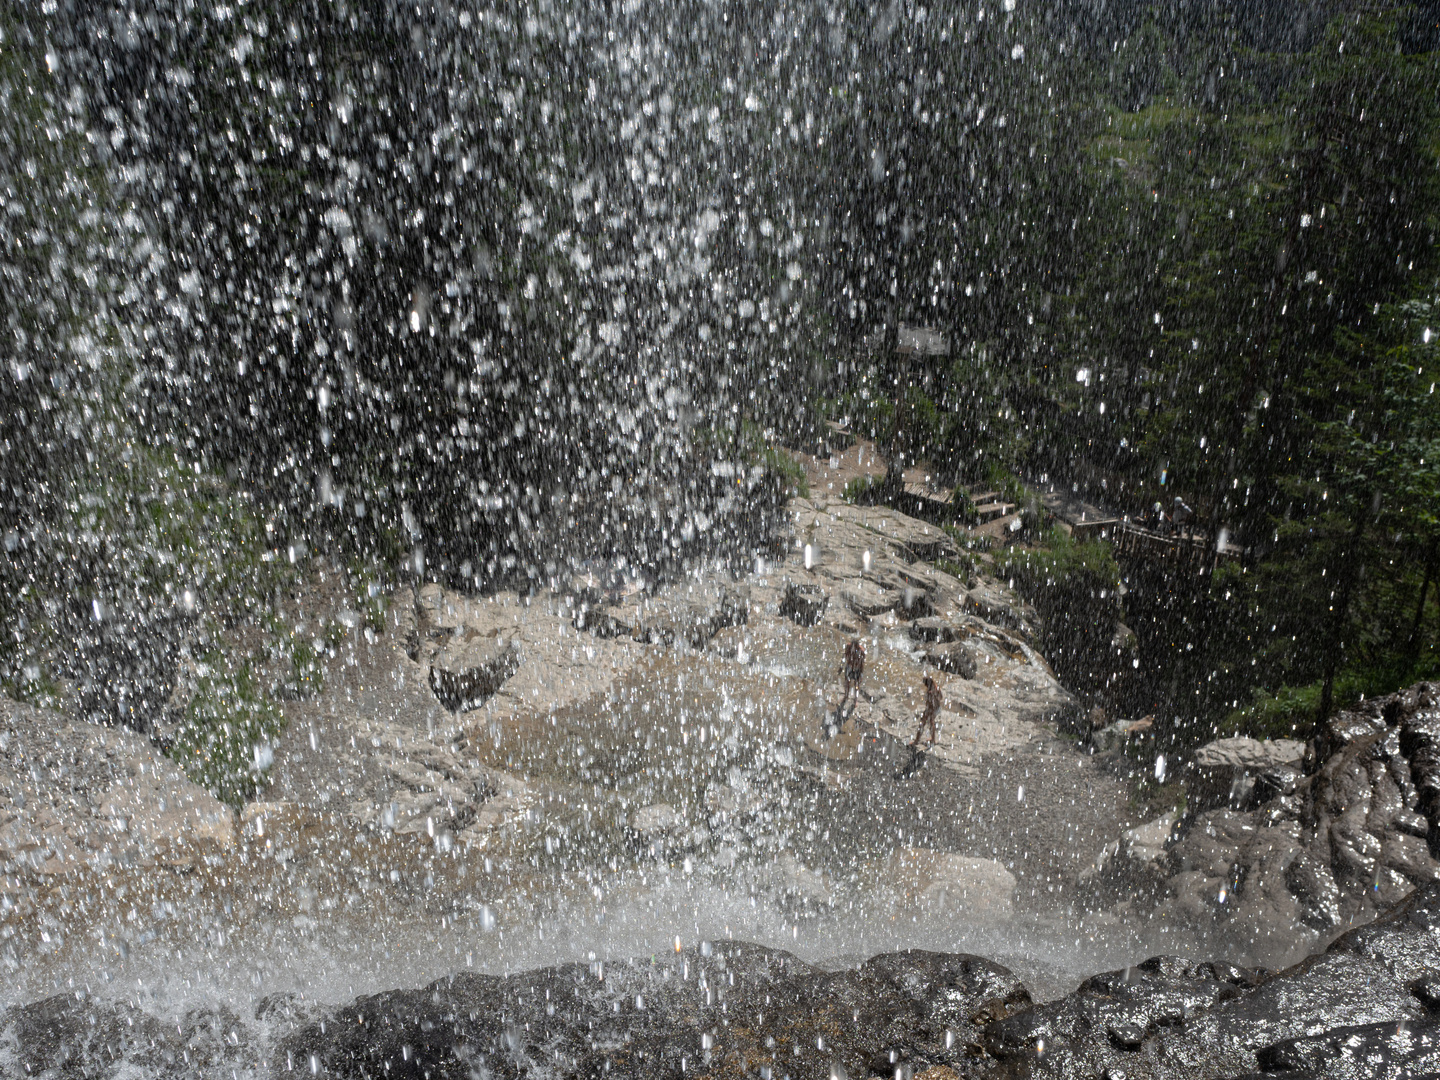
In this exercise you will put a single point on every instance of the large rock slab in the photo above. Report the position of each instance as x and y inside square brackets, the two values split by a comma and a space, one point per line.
[732, 1009]
[75, 795]
[722, 1009]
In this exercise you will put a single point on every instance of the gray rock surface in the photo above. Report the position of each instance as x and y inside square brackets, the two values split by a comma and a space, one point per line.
[77, 796]
[1323, 851]
[729, 1009]
[1225, 772]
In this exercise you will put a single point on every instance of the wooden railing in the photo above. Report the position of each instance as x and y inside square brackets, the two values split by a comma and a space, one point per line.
[1130, 540]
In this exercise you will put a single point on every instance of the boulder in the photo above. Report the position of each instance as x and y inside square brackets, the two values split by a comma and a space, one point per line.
[803, 604]
[1225, 772]
[1321, 851]
[953, 657]
[76, 795]
[466, 674]
[940, 881]
[722, 1008]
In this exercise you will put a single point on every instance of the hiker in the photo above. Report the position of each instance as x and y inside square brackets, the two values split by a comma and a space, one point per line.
[853, 670]
[1180, 516]
[933, 700]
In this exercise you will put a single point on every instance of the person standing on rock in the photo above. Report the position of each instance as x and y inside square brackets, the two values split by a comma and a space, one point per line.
[853, 671]
[1180, 517]
[933, 700]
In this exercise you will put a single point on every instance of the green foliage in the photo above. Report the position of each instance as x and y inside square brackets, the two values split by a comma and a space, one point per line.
[224, 741]
[863, 490]
[1061, 564]
[791, 473]
[1075, 590]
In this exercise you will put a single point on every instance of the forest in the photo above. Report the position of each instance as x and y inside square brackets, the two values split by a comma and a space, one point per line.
[482, 293]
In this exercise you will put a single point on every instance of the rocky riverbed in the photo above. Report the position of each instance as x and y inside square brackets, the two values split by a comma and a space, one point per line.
[503, 780]
[616, 768]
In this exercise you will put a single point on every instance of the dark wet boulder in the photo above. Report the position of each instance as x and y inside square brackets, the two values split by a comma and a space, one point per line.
[1327, 850]
[730, 1009]
[1111, 1017]
[1365, 1007]
[73, 1035]
[1404, 1051]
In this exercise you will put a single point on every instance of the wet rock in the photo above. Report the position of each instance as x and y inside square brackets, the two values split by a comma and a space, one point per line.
[1323, 851]
[691, 617]
[1107, 1020]
[916, 603]
[1313, 886]
[465, 676]
[728, 1009]
[908, 537]
[1133, 863]
[721, 1009]
[1324, 992]
[73, 1035]
[953, 657]
[803, 604]
[1225, 772]
[1365, 1052]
